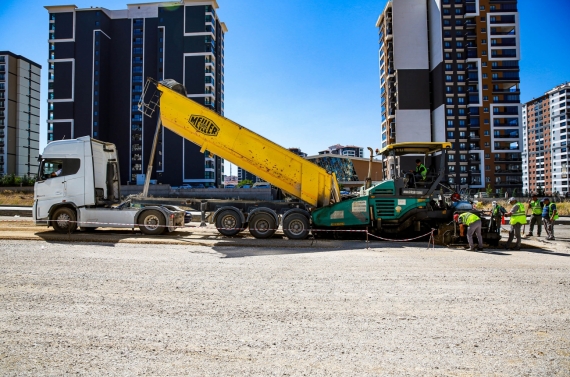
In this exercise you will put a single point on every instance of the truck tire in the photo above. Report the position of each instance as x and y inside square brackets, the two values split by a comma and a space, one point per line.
[229, 223]
[152, 222]
[296, 226]
[262, 225]
[64, 220]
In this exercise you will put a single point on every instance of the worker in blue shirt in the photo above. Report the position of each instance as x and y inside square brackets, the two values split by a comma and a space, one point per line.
[549, 215]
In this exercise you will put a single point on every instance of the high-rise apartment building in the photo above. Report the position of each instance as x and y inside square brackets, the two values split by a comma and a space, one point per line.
[19, 114]
[449, 72]
[545, 137]
[99, 60]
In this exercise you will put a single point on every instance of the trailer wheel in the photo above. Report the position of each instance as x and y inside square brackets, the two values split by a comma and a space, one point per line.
[262, 225]
[296, 226]
[152, 222]
[64, 220]
[229, 223]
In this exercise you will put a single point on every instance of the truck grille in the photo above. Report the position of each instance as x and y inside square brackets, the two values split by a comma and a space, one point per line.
[385, 207]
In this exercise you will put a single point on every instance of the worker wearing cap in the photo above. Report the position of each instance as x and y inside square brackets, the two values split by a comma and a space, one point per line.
[549, 214]
[535, 206]
[518, 218]
[474, 223]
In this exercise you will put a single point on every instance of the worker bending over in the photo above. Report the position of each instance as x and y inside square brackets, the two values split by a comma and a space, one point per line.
[474, 223]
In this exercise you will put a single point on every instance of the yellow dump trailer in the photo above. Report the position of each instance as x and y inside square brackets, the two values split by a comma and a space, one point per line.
[250, 151]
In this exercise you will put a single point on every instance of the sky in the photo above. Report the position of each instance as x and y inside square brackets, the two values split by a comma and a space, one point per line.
[304, 73]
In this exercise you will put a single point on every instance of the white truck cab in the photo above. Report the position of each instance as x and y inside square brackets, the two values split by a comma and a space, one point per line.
[78, 186]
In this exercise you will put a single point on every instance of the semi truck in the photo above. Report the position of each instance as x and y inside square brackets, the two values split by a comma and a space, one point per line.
[78, 186]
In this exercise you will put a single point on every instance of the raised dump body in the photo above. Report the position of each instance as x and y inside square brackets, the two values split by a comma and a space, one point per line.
[250, 151]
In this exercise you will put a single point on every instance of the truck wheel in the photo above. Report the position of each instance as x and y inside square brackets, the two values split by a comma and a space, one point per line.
[296, 226]
[64, 220]
[262, 225]
[152, 222]
[229, 223]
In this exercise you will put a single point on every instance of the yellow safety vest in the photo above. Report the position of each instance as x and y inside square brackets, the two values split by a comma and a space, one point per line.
[519, 216]
[468, 218]
[421, 169]
[535, 207]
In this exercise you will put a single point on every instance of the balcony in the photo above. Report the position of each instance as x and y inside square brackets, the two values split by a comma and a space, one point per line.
[504, 8]
[507, 67]
[510, 78]
[474, 137]
[507, 110]
[502, 31]
[502, 20]
[512, 90]
[509, 172]
[504, 42]
[508, 158]
[509, 135]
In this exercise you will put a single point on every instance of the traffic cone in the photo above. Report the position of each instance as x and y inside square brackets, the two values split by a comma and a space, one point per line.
[503, 222]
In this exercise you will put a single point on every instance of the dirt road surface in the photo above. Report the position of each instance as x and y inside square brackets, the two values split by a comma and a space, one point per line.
[331, 309]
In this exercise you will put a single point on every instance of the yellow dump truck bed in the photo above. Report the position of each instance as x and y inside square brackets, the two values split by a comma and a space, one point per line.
[250, 151]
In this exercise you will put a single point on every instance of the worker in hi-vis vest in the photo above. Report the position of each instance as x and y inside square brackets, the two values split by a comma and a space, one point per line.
[535, 206]
[518, 219]
[474, 223]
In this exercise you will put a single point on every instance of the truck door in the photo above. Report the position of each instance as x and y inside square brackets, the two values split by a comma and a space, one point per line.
[57, 182]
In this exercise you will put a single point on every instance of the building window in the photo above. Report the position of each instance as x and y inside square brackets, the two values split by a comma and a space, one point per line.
[449, 123]
[482, 7]
[485, 109]
[449, 100]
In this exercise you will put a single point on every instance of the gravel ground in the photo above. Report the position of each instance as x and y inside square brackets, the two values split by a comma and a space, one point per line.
[393, 310]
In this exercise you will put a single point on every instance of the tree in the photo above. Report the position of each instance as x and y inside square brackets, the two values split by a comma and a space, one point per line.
[245, 182]
[489, 190]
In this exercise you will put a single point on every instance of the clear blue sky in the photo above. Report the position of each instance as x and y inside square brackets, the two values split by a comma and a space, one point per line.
[305, 73]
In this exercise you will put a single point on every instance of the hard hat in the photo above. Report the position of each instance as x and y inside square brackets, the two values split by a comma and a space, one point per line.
[545, 199]
[456, 217]
[513, 199]
[494, 203]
